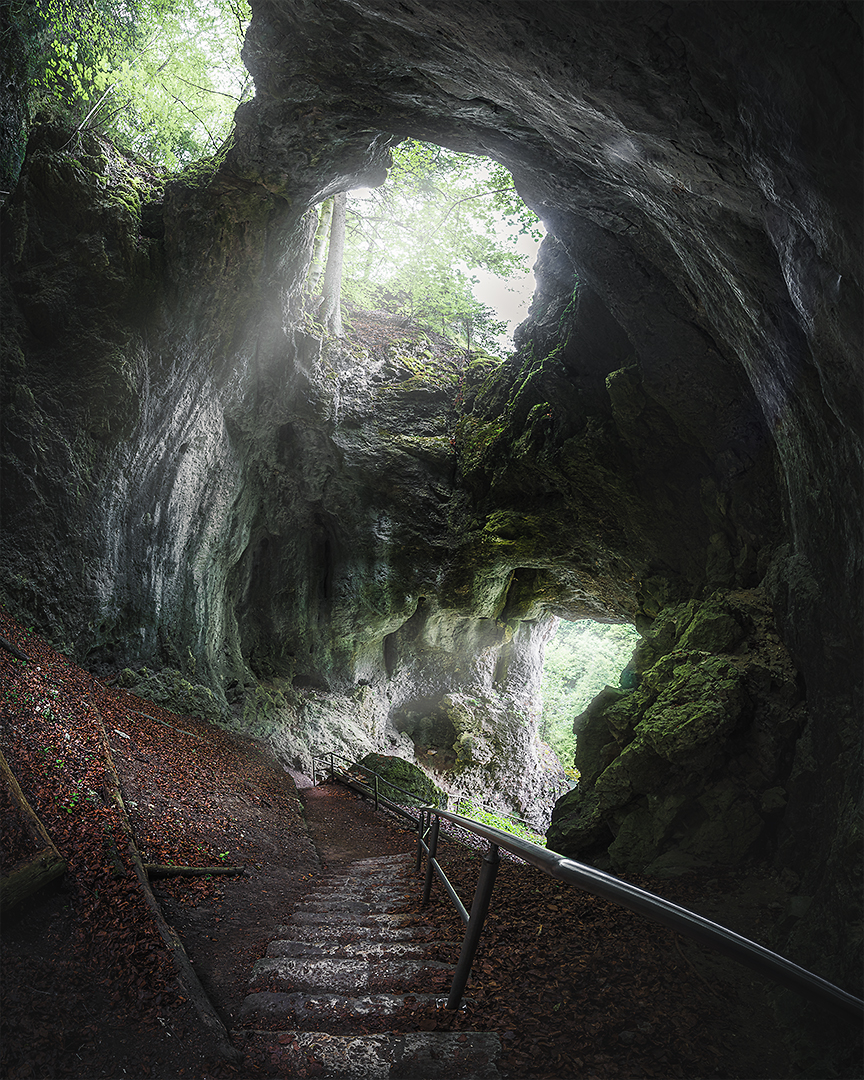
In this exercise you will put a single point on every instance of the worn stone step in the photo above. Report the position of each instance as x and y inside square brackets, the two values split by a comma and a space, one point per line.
[335, 918]
[404, 859]
[363, 893]
[295, 1009]
[341, 974]
[433, 1055]
[353, 907]
[323, 933]
[385, 881]
[359, 888]
[401, 949]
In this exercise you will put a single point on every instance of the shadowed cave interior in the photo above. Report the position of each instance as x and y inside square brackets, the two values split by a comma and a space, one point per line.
[201, 491]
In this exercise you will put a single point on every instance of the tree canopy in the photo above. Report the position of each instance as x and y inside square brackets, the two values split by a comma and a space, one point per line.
[414, 244]
[161, 78]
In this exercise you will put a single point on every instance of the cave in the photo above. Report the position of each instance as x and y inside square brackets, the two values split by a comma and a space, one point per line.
[195, 481]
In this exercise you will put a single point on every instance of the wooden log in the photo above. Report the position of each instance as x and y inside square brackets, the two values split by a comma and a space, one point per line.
[42, 868]
[189, 981]
[31, 819]
[158, 870]
[30, 878]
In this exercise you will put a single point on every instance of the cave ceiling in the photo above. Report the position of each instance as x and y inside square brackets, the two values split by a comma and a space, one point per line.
[694, 162]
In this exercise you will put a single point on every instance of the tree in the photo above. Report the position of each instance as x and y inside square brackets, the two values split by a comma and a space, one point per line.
[161, 78]
[413, 244]
[580, 659]
[322, 232]
[330, 311]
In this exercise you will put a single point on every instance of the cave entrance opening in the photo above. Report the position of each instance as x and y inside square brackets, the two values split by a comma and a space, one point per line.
[580, 658]
[445, 242]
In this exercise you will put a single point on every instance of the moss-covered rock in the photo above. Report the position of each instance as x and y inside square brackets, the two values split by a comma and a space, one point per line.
[699, 699]
[416, 788]
[677, 771]
[172, 691]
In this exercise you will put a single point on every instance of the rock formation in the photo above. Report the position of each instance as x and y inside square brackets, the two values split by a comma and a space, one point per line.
[193, 481]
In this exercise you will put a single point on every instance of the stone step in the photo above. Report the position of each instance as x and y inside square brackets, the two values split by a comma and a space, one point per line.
[347, 956]
[402, 950]
[342, 974]
[350, 906]
[433, 1055]
[334, 918]
[363, 893]
[385, 883]
[293, 1009]
[405, 859]
[322, 933]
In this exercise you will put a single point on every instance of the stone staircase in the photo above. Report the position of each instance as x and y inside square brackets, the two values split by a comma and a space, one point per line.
[348, 959]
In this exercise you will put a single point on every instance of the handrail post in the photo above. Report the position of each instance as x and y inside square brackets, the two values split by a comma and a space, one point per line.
[375, 785]
[430, 859]
[420, 830]
[479, 908]
[332, 768]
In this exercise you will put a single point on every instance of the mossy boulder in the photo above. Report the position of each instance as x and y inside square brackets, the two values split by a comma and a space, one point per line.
[416, 787]
[675, 770]
[708, 626]
[595, 731]
[699, 700]
[170, 689]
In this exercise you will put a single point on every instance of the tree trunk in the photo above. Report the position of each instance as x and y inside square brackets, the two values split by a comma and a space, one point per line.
[157, 870]
[316, 266]
[30, 878]
[331, 308]
[42, 868]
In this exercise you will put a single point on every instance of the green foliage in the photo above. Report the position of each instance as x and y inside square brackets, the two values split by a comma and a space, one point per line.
[580, 659]
[499, 821]
[414, 243]
[160, 78]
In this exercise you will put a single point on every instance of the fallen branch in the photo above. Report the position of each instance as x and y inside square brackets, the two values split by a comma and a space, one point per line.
[173, 727]
[185, 972]
[183, 731]
[42, 868]
[10, 648]
[157, 870]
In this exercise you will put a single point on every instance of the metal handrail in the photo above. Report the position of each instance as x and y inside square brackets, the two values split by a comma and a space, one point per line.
[373, 788]
[650, 906]
[644, 903]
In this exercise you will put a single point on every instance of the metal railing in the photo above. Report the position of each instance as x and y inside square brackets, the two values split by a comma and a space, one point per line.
[346, 773]
[683, 921]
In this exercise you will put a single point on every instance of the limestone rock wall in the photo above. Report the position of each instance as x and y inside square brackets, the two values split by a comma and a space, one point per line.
[195, 488]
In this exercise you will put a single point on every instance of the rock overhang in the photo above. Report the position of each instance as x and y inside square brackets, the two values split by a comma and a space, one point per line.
[698, 166]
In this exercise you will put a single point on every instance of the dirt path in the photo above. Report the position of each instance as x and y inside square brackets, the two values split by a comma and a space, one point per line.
[345, 827]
